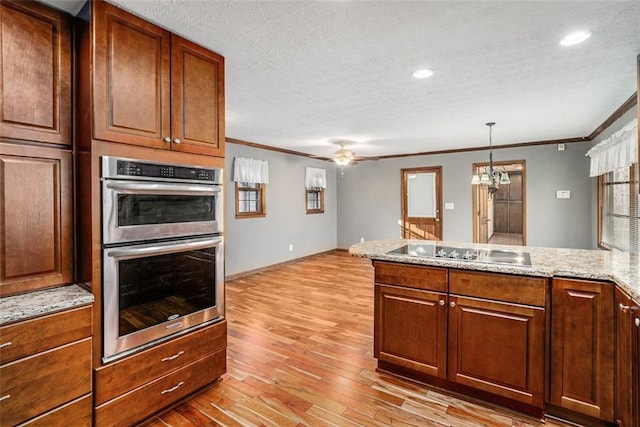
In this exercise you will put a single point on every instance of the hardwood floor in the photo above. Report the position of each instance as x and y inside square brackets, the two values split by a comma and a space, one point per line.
[300, 353]
[506, 239]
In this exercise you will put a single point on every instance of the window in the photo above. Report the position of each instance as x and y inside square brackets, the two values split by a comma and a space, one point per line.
[251, 177]
[618, 209]
[315, 200]
[250, 200]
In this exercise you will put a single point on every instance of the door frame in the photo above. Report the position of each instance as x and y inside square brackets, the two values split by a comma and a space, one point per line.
[403, 205]
[474, 193]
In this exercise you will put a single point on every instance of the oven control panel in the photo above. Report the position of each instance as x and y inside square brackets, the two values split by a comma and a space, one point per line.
[129, 168]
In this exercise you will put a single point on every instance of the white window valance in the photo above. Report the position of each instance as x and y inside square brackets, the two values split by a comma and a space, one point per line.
[315, 178]
[250, 170]
[620, 150]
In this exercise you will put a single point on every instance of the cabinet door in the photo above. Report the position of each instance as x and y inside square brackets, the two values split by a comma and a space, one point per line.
[582, 347]
[635, 345]
[131, 81]
[197, 99]
[498, 348]
[411, 329]
[624, 356]
[36, 217]
[35, 72]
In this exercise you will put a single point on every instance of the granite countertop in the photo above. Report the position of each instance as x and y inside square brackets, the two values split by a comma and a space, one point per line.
[620, 268]
[39, 303]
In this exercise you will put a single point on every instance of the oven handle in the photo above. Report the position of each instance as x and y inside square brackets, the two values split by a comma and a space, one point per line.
[161, 249]
[164, 189]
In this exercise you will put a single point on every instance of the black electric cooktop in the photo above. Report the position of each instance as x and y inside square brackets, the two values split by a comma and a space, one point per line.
[487, 256]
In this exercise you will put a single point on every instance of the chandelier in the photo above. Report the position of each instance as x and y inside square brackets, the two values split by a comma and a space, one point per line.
[491, 177]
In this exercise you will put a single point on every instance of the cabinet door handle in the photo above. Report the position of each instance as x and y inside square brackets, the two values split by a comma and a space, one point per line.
[5, 344]
[624, 308]
[637, 322]
[175, 356]
[174, 388]
[441, 302]
[167, 139]
[452, 304]
[5, 397]
[177, 141]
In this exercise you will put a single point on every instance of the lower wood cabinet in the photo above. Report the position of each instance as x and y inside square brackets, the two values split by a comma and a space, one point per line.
[411, 329]
[493, 346]
[582, 348]
[135, 387]
[627, 385]
[497, 347]
[45, 375]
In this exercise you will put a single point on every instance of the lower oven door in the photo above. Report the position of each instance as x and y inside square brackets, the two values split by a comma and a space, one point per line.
[152, 291]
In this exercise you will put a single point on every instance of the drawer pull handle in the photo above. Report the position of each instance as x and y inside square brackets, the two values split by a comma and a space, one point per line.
[5, 397]
[637, 322]
[175, 356]
[624, 308]
[174, 388]
[5, 344]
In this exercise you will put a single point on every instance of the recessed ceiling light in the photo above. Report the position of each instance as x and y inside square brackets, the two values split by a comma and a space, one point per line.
[575, 38]
[423, 73]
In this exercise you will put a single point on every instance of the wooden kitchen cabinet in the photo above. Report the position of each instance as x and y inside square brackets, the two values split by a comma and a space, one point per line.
[497, 347]
[487, 336]
[153, 88]
[582, 347]
[159, 376]
[36, 232]
[411, 329]
[625, 388]
[35, 72]
[45, 370]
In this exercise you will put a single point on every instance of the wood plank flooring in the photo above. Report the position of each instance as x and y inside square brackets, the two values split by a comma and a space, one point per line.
[300, 353]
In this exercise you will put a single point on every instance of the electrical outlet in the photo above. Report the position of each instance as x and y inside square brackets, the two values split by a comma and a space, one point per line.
[291, 247]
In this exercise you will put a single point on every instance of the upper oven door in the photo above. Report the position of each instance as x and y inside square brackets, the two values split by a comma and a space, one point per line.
[143, 210]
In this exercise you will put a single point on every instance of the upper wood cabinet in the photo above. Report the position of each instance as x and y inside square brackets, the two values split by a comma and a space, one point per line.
[36, 218]
[153, 88]
[582, 347]
[35, 71]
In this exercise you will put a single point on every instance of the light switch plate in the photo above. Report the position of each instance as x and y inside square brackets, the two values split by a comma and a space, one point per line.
[563, 194]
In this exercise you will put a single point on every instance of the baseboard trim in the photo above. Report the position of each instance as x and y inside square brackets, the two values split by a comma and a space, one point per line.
[269, 267]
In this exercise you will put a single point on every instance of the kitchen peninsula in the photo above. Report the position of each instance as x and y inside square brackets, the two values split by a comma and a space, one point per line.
[557, 337]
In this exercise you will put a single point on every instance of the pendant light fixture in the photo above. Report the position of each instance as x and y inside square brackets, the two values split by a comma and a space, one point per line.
[490, 177]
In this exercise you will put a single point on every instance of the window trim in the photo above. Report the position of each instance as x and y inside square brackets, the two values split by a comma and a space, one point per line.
[263, 203]
[320, 192]
[632, 199]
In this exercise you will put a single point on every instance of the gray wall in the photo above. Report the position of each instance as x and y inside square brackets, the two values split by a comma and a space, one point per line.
[253, 243]
[369, 196]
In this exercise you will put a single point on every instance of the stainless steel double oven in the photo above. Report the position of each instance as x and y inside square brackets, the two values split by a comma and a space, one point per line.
[162, 251]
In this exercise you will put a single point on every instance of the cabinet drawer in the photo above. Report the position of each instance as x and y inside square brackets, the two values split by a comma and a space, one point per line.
[44, 333]
[429, 278]
[42, 382]
[76, 413]
[156, 395]
[131, 372]
[501, 287]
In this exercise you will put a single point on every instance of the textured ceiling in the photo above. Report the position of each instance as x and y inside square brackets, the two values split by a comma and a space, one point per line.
[303, 74]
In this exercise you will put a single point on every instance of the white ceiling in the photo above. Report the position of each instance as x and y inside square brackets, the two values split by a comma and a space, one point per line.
[301, 75]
